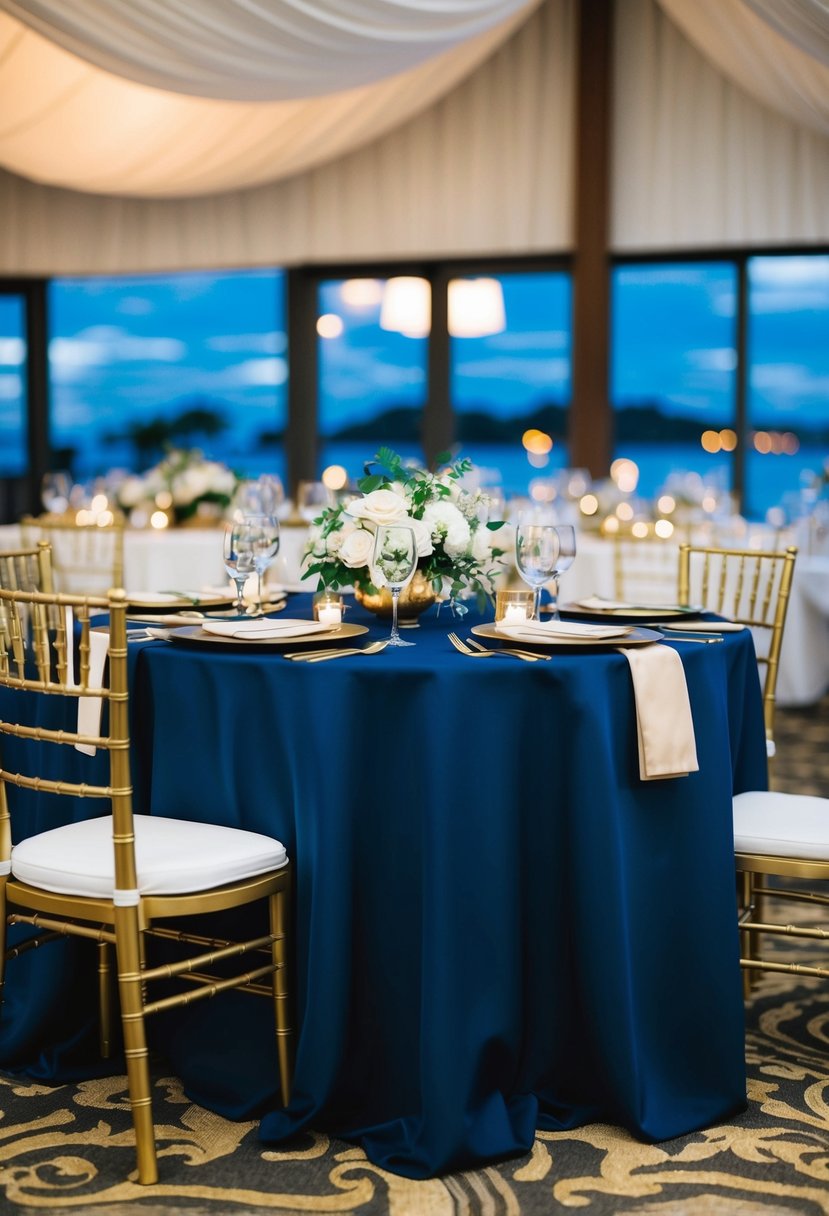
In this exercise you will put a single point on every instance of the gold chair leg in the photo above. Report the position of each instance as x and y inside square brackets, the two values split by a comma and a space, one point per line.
[135, 1041]
[104, 1000]
[278, 907]
[744, 898]
[3, 935]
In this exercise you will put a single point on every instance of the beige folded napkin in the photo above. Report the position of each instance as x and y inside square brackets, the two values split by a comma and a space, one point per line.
[550, 631]
[89, 708]
[665, 728]
[264, 629]
[707, 627]
[597, 603]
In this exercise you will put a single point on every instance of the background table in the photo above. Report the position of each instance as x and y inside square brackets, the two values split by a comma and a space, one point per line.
[498, 925]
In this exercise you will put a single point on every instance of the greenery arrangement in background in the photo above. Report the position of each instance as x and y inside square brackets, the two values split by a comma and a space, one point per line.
[184, 483]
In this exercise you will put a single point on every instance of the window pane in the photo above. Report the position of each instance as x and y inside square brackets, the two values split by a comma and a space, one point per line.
[508, 383]
[372, 380]
[13, 460]
[788, 414]
[673, 370]
[188, 360]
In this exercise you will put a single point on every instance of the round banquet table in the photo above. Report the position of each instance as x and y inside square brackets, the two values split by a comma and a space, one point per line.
[498, 926]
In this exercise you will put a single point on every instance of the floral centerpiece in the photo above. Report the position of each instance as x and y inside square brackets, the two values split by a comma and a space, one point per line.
[456, 543]
[184, 483]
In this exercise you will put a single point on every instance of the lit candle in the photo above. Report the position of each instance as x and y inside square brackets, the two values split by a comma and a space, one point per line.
[515, 614]
[330, 614]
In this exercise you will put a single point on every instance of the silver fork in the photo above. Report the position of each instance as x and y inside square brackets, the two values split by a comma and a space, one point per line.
[481, 653]
[527, 655]
[321, 656]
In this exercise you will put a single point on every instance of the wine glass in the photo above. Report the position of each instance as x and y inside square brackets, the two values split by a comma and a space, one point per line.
[395, 557]
[312, 498]
[55, 491]
[566, 557]
[536, 555]
[265, 541]
[239, 554]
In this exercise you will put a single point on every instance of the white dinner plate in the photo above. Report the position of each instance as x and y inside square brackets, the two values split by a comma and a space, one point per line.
[634, 637]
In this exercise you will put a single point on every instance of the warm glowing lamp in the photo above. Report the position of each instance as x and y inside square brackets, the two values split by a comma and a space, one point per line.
[476, 308]
[407, 306]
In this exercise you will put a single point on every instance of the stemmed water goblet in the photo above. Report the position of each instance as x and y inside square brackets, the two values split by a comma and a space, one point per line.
[239, 555]
[395, 557]
[537, 546]
[566, 557]
[265, 541]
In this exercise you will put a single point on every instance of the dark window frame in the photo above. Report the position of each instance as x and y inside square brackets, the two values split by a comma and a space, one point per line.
[301, 294]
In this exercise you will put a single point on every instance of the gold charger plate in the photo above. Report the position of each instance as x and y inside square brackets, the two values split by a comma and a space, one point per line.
[636, 637]
[598, 615]
[195, 635]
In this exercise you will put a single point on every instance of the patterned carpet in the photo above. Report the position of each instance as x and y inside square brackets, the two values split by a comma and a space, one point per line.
[69, 1150]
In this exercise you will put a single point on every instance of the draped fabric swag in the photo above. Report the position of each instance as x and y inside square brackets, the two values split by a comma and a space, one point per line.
[753, 52]
[271, 51]
[486, 169]
[466, 153]
[66, 123]
[697, 161]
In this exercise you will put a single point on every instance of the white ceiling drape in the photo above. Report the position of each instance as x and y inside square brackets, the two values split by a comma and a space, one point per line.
[775, 51]
[697, 160]
[272, 50]
[485, 169]
[803, 22]
[67, 123]
[467, 154]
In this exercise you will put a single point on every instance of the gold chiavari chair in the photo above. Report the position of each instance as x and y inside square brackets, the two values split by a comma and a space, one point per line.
[27, 569]
[750, 587]
[783, 836]
[109, 879]
[87, 558]
[644, 570]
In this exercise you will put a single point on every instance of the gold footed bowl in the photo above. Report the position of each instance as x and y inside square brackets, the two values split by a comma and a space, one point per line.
[415, 598]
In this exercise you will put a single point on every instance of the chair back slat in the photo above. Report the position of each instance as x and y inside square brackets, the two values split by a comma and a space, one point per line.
[86, 558]
[40, 628]
[751, 587]
[644, 569]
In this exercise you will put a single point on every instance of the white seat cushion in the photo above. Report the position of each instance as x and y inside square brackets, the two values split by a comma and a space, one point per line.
[782, 825]
[173, 857]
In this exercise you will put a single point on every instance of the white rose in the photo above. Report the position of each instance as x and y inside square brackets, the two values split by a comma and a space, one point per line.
[131, 491]
[191, 484]
[482, 545]
[448, 525]
[380, 507]
[335, 540]
[222, 480]
[357, 548]
[423, 536]
[457, 540]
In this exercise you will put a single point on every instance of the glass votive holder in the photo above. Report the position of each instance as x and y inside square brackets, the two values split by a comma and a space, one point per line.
[513, 607]
[328, 608]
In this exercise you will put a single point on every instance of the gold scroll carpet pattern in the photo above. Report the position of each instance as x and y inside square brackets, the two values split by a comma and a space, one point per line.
[70, 1149]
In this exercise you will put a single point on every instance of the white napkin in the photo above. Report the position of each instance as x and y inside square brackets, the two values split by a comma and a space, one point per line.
[549, 631]
[706, 627]
[160, 597]
[665, 728]
[89, 708]
[597, 603]
[264, 629]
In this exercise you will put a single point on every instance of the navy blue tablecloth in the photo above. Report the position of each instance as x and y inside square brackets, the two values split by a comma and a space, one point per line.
[498, 926]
